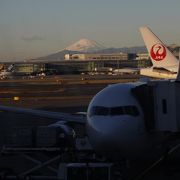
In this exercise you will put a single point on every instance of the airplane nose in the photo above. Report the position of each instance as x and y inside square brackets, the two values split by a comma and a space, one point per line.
[105, 139]
[115, 134]
[104, 130]
[112, 126]
[105, 125]
[115, 120]
[99, 136]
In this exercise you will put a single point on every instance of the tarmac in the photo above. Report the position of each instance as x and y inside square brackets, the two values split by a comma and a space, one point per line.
[55, 91]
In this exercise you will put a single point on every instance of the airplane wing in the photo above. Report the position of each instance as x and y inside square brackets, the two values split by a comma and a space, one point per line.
[47, 114]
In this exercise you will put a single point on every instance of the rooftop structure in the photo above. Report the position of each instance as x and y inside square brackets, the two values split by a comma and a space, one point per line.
[142, 56]
[117, 56]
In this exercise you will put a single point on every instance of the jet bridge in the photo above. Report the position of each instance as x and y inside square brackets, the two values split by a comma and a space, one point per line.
[160, 101]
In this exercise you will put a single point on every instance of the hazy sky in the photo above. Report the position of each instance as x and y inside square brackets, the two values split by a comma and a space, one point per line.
[33, 28]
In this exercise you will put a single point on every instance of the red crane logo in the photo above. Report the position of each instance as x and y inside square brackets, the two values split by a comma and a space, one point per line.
[158, 52]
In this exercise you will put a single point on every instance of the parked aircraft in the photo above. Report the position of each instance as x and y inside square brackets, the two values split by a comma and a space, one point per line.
[165, 64]
[7, 72]
[125, 71]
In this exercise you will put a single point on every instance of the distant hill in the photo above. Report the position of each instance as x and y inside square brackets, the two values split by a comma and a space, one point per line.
[56, 56]
[136, 49]
[89, 46]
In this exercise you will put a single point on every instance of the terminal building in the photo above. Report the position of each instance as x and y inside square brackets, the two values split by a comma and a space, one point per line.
[142, 56]
[115, 56]
[82, 63]
[76, 67]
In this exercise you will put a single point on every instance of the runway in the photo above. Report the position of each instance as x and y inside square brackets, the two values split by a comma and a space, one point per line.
[56, 91]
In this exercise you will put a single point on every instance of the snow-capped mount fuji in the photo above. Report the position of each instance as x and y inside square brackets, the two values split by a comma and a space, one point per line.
[85, 46]
[88, 46]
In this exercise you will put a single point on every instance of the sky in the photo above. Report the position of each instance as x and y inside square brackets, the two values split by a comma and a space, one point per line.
[35, 28]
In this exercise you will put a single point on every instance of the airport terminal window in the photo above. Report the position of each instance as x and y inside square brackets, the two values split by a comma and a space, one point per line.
[114, 111]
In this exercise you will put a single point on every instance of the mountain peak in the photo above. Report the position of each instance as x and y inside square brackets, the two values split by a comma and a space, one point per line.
[85, 45]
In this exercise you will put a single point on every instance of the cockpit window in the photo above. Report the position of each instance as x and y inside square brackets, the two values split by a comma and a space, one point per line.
[114, 111]
[135, 111]
[98, 110]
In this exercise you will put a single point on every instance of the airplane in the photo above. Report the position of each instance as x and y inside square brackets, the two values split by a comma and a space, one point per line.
[116, 119]
[125, 71]
[7, 72]
[165, 64]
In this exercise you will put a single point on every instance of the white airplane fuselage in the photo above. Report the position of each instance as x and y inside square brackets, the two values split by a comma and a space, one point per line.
[149, 72]
[115, 123]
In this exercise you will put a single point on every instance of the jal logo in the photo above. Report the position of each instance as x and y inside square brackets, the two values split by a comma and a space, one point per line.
[158, 52]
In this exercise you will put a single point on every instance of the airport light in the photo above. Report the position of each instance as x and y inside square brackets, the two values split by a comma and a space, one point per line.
[16, 98]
